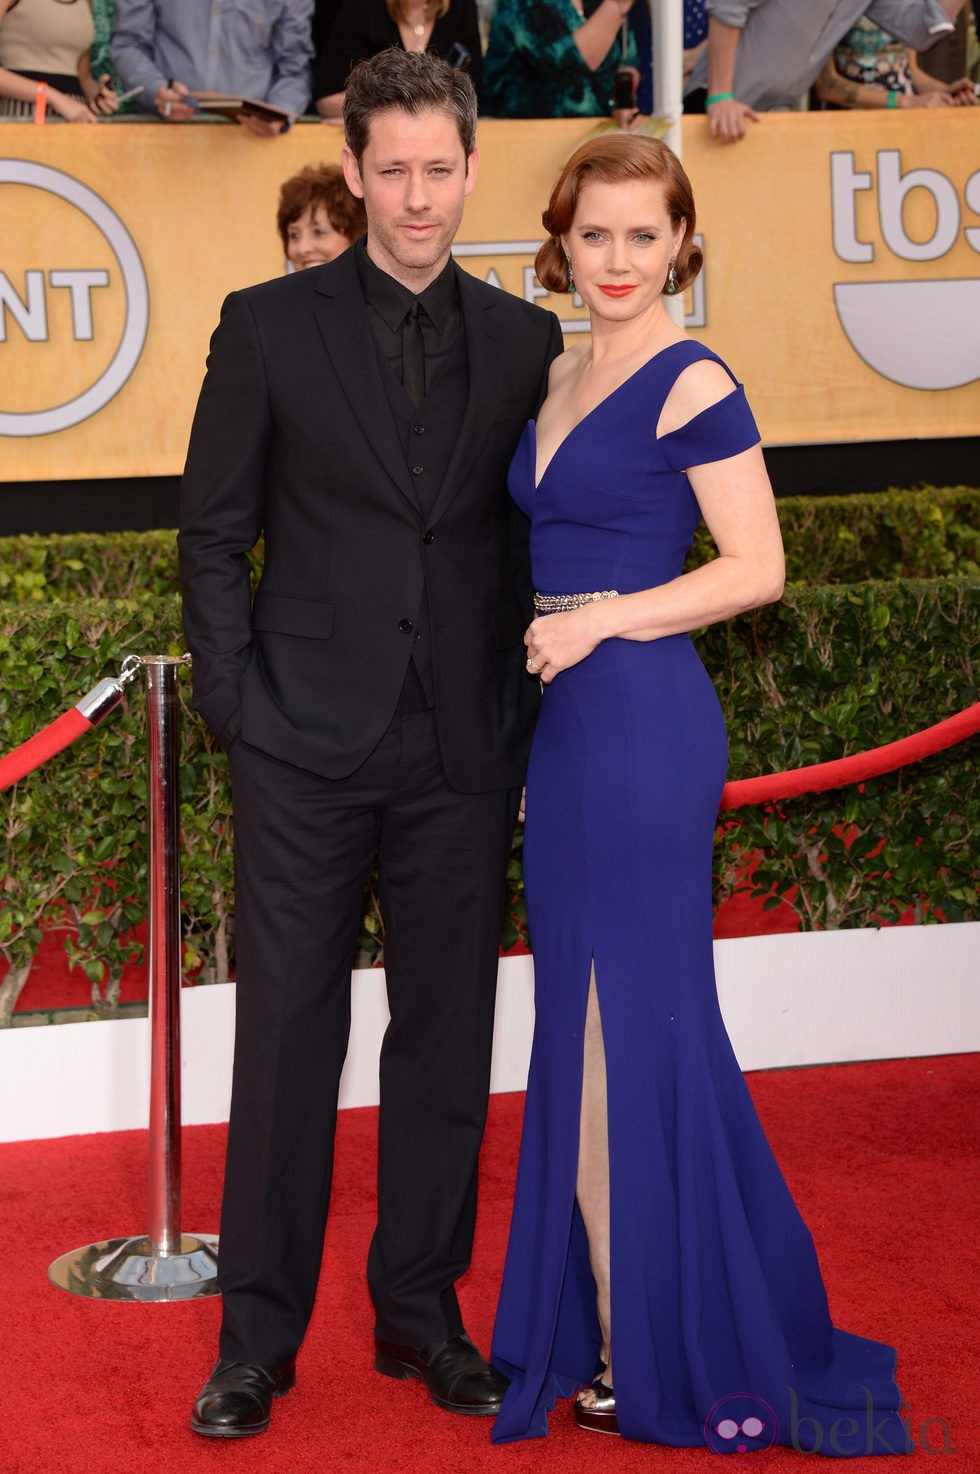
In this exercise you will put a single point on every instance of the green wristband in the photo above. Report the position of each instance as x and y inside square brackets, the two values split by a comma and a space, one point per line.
[892, 99]
[719, 97]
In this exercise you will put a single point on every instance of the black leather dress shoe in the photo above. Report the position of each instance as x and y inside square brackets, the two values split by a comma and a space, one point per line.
[458, 1378]
[236, 1399]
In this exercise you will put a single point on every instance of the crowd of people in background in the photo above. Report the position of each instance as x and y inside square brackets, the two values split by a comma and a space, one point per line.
[871, 69]
[83, 60]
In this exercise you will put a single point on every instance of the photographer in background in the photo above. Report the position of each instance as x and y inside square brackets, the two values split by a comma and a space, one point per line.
[556, 58]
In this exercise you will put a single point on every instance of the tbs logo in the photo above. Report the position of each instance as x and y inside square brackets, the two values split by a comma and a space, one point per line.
[920, 333]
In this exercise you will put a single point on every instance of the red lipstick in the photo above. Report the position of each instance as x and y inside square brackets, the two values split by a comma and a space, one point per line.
[616, 291]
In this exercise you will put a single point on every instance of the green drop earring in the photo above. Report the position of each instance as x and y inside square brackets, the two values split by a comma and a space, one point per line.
[671, 277]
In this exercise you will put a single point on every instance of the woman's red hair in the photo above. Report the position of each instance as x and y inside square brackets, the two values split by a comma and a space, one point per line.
[316, 185]
[618, 158]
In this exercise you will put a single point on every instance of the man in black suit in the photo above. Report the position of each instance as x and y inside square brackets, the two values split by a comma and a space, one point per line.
[362, 415]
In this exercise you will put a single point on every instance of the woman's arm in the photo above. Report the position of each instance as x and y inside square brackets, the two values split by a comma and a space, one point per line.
[691, 58]
[596, 38]
[726, 116]
[961, 93]
[737, 504]
[545, 41]
[331, 106]
[72, 109]
[98, 94]
[832, 86]
[922, 81]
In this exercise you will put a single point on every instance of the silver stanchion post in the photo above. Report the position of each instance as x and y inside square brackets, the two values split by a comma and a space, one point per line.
[165, 1264]
[164, 957]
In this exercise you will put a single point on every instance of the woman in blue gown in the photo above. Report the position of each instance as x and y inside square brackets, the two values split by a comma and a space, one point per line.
[658, 1269]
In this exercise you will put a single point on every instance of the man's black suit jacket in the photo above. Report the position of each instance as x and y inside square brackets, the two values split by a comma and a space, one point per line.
[294, 438]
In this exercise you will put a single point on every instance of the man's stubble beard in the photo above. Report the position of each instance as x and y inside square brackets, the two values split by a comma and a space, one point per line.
[437, 250]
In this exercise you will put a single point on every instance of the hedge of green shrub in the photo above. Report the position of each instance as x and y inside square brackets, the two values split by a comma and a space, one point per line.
[896, 534]
[838, 539]
[74, 845]
[87, 565]
[875, 662]
[831, 670]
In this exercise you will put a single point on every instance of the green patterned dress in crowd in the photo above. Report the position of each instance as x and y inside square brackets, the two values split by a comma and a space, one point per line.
[869, 55]
[533, 68]
[104, 13]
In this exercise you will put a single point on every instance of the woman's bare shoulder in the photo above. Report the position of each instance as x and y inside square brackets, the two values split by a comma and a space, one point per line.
[565, 367]
[696, 388]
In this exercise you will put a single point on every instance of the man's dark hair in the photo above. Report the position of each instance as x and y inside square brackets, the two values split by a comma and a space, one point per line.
[416, 81]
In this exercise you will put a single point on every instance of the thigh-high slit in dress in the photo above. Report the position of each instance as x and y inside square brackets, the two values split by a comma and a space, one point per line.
[718, 1311]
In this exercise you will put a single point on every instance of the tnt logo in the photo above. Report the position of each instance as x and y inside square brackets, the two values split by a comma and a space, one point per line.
[739, 1424]
[920, 333]
[32, 314]
[74, 304]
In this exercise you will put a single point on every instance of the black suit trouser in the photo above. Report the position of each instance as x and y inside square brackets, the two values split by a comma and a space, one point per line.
[303, 847]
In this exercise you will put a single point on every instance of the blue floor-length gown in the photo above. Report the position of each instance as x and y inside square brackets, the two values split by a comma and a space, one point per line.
[719, 1313]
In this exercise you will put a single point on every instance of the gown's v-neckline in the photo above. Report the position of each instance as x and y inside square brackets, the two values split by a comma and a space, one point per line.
[536, 479]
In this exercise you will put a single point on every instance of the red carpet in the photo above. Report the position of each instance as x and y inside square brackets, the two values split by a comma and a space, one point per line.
[882, 1158]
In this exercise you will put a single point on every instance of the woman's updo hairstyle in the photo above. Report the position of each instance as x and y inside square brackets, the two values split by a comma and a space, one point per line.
[618, 158]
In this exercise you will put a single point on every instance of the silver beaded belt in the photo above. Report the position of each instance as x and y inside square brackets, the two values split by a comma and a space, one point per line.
[553, 603]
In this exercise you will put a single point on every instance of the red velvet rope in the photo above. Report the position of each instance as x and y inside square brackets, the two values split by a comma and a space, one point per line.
[61, 733]
[813, 779]
[855, 769]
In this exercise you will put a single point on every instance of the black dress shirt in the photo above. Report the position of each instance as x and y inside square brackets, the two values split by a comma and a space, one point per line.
[429, 432]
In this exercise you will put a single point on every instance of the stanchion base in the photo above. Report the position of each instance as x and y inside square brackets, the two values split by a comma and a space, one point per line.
[133, 1269]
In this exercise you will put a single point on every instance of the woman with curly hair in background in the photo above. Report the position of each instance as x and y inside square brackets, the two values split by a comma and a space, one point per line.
[318, 217]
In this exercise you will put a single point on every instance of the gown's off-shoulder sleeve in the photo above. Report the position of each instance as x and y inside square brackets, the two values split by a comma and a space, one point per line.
[722, 430]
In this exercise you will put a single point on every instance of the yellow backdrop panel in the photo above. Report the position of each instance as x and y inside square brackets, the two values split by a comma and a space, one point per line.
[841, 277]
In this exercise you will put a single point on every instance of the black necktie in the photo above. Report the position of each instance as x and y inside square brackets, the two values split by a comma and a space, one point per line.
[413, 356]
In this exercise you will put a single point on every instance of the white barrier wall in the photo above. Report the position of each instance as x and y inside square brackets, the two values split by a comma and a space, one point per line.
[801, 999]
